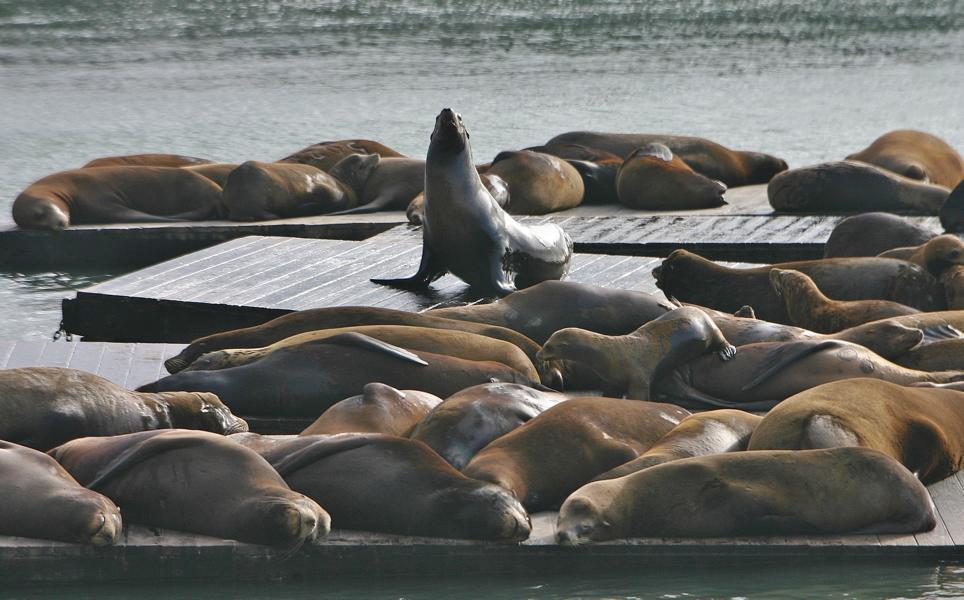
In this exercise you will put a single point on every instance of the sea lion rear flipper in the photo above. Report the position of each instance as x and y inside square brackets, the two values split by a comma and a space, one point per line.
[360, 340]
[786, 354]
[134, 455]
[429, 269]
[941, 332]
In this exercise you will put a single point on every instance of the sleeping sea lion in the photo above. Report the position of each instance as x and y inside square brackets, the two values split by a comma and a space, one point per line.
[380, 183]
[653, 178]
[916, 155]
[538, 183]
[325, 155]
[379, 408]
[257, 191]
[870, 234]
[147, 160]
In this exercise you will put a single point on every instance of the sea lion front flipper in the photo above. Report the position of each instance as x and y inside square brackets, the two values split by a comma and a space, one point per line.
[365, 342]
[499, 280]
[941, 332]
[429, 269]
[138, 453]
[786, 354]
[318, 449]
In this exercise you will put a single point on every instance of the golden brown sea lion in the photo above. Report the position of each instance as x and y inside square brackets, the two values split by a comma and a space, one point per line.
[840, 490]
[380, 183]
[538, 183]
[546, 459]
[916, 155]
[325, 155]
[870, 234]
[147, 160]
[257, 191]
[598, 169]
[194, 481]
[922, 428]
[39, 499]
[117, 195]
[936, 255]
[379, 408]
[653, 178]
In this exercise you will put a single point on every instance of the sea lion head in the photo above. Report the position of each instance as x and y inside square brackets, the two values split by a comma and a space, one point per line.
[102, 526]
[204, 411]
[785, 281]
[355, 169]
[565, 344]
[295, 519]
[486, 512]
[762, 167]
[581, 521]
[38, 212]
[887, 338]
[943, 252]
[450, 137]
[952, 211]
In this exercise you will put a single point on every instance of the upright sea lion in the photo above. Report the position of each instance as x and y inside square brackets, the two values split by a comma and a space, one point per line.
[216, 172]
[39, 499]
[325, 155]
[194, 481]
[809, 308]
[538, 183]
[653, 178]
[869, 234]
[631, 364]
[841, 490]
[117, 195]
[701, 434]
[922, 428]
[415, 213]
[952, 211]
[306, 379]
[385, 483]
[43, 407]
[936, 254]
[468, 234]
[330, 318]
[257, 191]
[548, 458]
[694, 279]
[468, 420]
[380, 183]
[459, 344]
[147, 160]
[916, 155]
[379, 408]
[852, 187]
[732, 167]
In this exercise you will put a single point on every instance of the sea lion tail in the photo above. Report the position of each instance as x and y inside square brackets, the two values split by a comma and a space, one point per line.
[786, 354]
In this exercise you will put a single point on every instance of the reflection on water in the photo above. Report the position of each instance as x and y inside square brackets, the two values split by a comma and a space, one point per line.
[31, 301]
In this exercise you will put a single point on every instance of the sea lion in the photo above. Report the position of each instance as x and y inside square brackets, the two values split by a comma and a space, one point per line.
[257, 191]
[380, 183]
[117, 195]
[597, 168]
[384, 483]
[762, 375]
[147, 160]
[869, 234]
[306, 379]
[488, 249]
[922, 428]
[653, 178]
[916, 155]
[936, 326]
[845, 186]
[936, 254]
[330, 318]
[941, 355]
[694, 279]
[840, 490]
[379, 408]
[467, 421]
[459, 344]
[538, 183]
[539, 311]
[415, 213]
[43, 407]
[41, 500]
[952, 280]
[216, 172]
[194, 481]
[732, 167]
[807, 307]
[952, 211]
[549, 457]
[702, 434]
[325, 155]
[631, 364]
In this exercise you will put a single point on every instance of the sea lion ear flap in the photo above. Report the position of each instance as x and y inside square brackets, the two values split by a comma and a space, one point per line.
[952, 211]
[359, 340]
[746, 312]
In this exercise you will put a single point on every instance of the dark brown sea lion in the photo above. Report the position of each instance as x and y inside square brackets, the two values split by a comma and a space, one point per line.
[840, 490]
[147, 160]
[936, 255]
[257, 191]
[632, 364]
[762, 375]
[552, 455]
[732, 167]
[43, 407]
[379, 408]
[468, 420]
[384, 483]
[294, 323]
[852, 187]
[325, 155]
[922, 428]
[653, 178]
[942, 355]
[952, 279]
[916, 155]
[694, 279]
[380, 183]
[41, 500]
[216, 172]
[869, 234]
[117, 195]
[809, 308]
[194, 481]
[468, 234]
[306, 379]
[538, 183]
[952, 211]
[702, 434]
[415, 213]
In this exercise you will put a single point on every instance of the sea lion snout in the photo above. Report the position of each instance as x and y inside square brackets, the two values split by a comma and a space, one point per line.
[107, 528]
